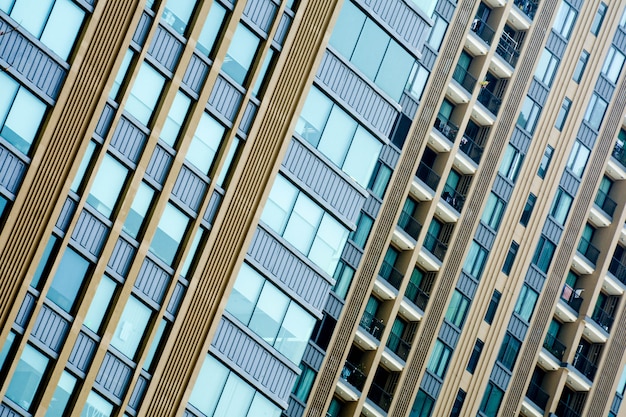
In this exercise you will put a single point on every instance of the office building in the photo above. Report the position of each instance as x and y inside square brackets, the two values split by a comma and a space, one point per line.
[334, 208]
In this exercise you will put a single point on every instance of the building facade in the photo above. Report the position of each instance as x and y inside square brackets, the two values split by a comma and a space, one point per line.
[293, 208]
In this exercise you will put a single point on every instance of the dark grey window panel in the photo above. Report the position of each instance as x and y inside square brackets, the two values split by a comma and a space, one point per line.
[485, 236]
[605, 88]
[587, 135]
[342, 195]
[225, 98]
[114, 376]
[538, 92]
[517, 327]
[409, 105]
[196, 73]
[313, 356]
[83, 352]
[520, 139]
[389, 155]
[121, 258]
[165, 48]
[143, 27]
[152, 281]
[268, 371]
[372, 206]
[357, 93]
[214, 205]
[12, 170]
[261, 13]
[295, 408]
[189, 188]
[431, 384]
[334, 306]
[535, 278]
[50, 328]
[289, 269]
[428, 58]
[449, 334]
[26, 309]
[467, 285]
[409, 25]
[619, 40]
[176, 298]
[248, 117]
[128, 140]
[159, 164]
[446, 9]
[283, 28]
[138, 392]
[552, 230]
[502, 188]
[352, 255]
[6, 411]
[20, 54]
[500, 376]
[556, 45]
[104, 123]
[569, 182]
[90, 233]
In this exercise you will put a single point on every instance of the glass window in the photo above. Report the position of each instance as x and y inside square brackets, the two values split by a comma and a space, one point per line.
[598, 19]
[245, 293]
[269, 313]
[563, 112]
[595, 111]
[45, 261]
[510, 258]
[578, 158]
[205, 143]
[511, 163]
[508, 351]
[169, 234]
[362, 232]
[177, 14]
[493, 306]
[145, 93]
[315, 113]
[580, 66]
[543, 254]
[475, 260]
[343, 278]
[423, 405]
[211, 28]
[263, 72]
[379, 180]
[235, 398]
[96, 406]
[528, 209]
[31, 15]
[68, 280]
[6, 348]
[565, 18]
[347, 29]
[494, 210]
[22, 119]
[240, 54]
[473, 360]
[439, 359]
[613, 64]
[62, 27]
[100, 304]
[560, 206]
[138, 210]
[208, 386]
[147, 364]
[458, 403]
[546, 67]
[394, 70]
[131, 327]
[84, 163]
[121, 73]
[175, 118]
[417, 80]
[545, 161]
[526, 302]
[61, 395]
[262, 407]
[304, 383]
[191, 255]
[294, 333]
[370, 49]
[529, 115]
[27, 376]
[437, 32]
[328, 244]
[107, 185]
[492, 400]
[427, 6]
[457, 310]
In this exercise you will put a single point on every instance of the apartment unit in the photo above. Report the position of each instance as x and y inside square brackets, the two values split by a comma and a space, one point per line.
[295, 208]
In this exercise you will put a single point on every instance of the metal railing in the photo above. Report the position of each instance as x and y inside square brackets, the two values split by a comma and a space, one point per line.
[417, 295]
[463, 77]
[554, 346]
[471, 149]
[446, 127]
[398, 346]
[588, 250]
[390, 274]
[408, 223]
[483, 30]
[564, 410]
[585, 366]
[435, 246]
[537, 395]
[619, 153]
[604, 319]
[606, 203]
[353, 376]
[571, 297]
[507, 49]
[528, 7]
[380, 397]
[427, 175]
[489, 100]
[453, 197]
[618, 270]
[372, 325]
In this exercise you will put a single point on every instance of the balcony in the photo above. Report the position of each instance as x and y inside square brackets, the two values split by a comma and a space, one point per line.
[390, 274]
[435, 246]
[618, 270]
[586, 257]
[416, 295]
[470, 148]
[489, 101]
[604, 319]
[448, 129]
[428, 176]
[585, 366]
[380, 397]
[602, 210]
[537, 395]
[616, 167]
[554, 346]
[398, 346]
[571, 297]
[354, 376]
[409, 224]
[455, 199]
[508, 51]
[466, 81]
[482, 30]
[372, 325]
[564, 410]
[528, 7]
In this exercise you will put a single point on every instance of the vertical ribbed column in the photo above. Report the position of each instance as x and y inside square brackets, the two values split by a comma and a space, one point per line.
[231, 232]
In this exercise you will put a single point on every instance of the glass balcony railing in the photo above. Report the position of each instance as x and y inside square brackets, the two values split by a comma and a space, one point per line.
[471, 149]
[482, 30]
[435, 246]
[604, 319]
[588, 250]
[538, 396]
[446, 127]
[372, 325]
[618, 270]
[463, 77]
[571, 297]
[427, 175]
[398, 346]
[528, 7]
[585, 366]
[490, 101]
[418, 296]
[408, 223]
[554, 346]
[390, 274]
[606, 203]
[380, 397]
[453, 197]
[353, 375]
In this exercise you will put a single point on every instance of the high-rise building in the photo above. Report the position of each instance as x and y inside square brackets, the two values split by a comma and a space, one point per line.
[320, 208]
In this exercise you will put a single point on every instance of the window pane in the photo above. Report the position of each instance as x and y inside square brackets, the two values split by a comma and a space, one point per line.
[27, 377]
[314, 116]
[9, 88]
[279, 204]
[328, 245]
[269, 313]
[62, 27]
[262, 407]
[177, 14]
[337, 136]
[240, 54]
[370, 49]
[303, 223]
[294, 333]
[68, 280]
[23, 120]
[107, 186]
[84, 163]
[121, 73]
[394, 71]
[32, 14]
[138, 210]
[235, 399]
[147, 365]
[145, 93]
[347, 29]
[96, 406]
[245, 293]
[169, 234]
[100, 304]
[175, 118]
[205, 143]
[211, 28]
[208, 387]
[61, 395]
[362, 156]
[131, 327]
[192, 252]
